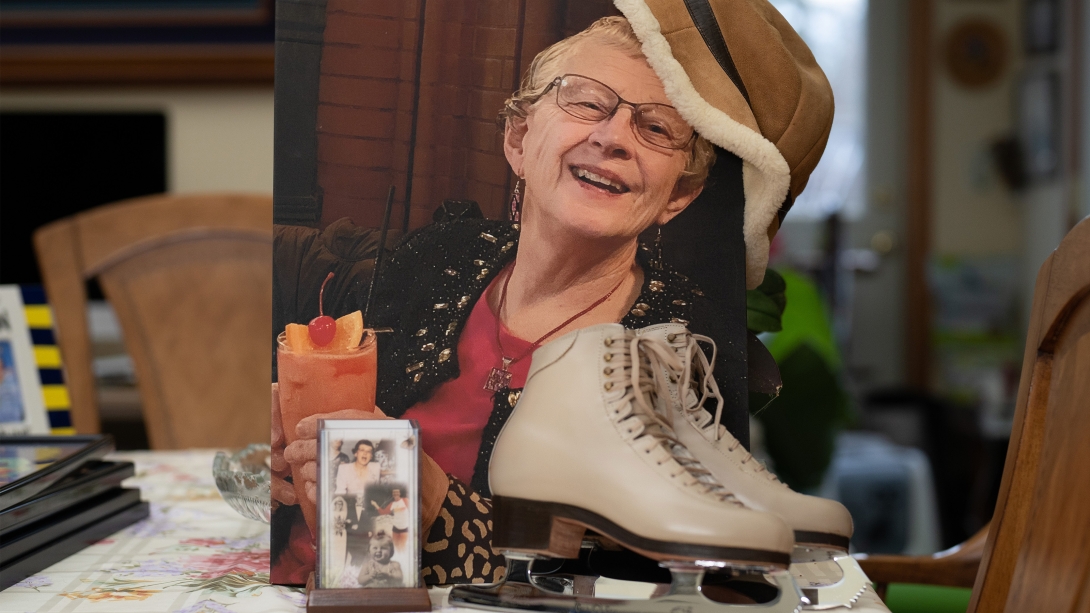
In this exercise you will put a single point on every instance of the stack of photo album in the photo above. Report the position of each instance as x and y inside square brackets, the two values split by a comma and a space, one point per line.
[57, 496]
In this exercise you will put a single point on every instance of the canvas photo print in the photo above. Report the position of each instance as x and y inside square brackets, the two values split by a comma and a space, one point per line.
[398, 195]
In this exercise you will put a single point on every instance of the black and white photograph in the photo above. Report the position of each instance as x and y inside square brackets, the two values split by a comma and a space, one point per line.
[368, 504]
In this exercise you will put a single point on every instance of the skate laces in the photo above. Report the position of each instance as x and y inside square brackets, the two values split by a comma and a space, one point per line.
[694, 408]
[646, 365]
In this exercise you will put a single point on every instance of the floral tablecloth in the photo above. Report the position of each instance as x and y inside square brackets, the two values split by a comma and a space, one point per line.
[194, 554]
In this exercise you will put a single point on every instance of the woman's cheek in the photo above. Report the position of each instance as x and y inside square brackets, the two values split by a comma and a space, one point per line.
[537, 157]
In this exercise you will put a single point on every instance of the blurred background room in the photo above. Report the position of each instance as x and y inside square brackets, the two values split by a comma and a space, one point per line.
[101, 102]
[958, 160]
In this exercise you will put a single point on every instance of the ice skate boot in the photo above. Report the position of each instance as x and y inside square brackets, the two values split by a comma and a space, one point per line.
[585, 450]
[822, 527]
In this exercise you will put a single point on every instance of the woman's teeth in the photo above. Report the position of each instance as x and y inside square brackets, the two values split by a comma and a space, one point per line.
[599, 181]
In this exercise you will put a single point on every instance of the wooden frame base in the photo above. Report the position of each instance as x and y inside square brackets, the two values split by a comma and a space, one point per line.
[369, 600]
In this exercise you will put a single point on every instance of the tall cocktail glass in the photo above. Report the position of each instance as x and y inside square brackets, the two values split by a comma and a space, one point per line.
[323, 381]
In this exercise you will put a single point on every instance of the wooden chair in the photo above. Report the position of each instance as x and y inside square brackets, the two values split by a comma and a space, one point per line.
[954, 567]
[1033, 556]
[190, 278]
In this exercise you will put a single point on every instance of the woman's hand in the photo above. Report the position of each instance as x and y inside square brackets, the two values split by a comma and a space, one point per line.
[282, 459]
[282, 491]
[303, 453]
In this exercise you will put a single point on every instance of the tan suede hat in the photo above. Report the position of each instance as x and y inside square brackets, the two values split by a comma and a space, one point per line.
[745, 80]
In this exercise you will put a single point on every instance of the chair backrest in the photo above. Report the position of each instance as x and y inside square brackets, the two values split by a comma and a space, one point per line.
[1035, 558]
[190, 278]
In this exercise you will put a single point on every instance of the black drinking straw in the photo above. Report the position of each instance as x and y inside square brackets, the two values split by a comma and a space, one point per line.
[381, 252]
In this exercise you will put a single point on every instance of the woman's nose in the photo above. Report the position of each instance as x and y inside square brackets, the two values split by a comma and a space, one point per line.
[614, 134]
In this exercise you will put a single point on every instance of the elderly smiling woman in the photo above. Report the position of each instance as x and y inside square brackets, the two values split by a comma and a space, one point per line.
[602, 154]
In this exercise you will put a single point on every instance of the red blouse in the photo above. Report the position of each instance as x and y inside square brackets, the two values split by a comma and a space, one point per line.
[452, 420]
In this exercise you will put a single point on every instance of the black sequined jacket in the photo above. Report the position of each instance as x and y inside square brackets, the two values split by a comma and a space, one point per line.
[431, 282]
[425, 292]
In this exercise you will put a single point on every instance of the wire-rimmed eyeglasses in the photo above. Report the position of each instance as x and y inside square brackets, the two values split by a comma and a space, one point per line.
[657, 124]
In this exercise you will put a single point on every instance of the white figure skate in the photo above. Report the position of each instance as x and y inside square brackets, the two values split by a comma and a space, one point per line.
[585, 450]
[828, 576]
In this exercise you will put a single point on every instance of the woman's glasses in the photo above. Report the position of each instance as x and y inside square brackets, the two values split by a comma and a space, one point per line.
[657, 124]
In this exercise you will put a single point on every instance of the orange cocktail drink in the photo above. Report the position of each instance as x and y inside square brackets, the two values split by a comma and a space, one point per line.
[323, 380]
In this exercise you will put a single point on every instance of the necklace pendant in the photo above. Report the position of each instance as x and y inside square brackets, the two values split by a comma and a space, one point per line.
[499, 379]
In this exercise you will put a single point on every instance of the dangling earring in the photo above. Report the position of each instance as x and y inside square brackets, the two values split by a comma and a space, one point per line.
[515, 211]
[656, 260]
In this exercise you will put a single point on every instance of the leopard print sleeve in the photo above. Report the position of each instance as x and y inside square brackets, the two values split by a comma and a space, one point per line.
[458, 548]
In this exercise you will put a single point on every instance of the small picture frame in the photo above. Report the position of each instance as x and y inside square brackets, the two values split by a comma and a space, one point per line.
[22, 406]
[368, 504]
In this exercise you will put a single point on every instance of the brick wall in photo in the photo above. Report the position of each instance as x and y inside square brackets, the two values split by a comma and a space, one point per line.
[470, 64]
[364, 105]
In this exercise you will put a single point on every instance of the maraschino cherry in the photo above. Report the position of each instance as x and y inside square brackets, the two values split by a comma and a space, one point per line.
[323, 327]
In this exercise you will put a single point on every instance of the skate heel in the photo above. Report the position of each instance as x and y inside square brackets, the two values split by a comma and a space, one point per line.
[529, 526]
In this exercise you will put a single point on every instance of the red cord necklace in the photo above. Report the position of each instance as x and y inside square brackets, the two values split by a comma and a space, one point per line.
[499, 379]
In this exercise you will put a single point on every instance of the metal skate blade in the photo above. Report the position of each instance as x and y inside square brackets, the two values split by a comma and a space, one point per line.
[803, 553]
[684, 595]
[831, 583]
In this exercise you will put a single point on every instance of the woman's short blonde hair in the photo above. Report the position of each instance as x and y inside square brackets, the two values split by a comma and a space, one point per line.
[615, 32]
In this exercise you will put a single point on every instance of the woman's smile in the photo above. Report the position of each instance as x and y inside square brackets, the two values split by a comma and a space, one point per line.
[599, 179]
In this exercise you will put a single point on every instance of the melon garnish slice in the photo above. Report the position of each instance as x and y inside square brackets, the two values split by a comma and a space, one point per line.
[298, 337]
[349, 331]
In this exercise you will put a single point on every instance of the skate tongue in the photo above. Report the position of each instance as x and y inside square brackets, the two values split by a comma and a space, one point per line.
[693, 406]
[655, 366]
[698, 366]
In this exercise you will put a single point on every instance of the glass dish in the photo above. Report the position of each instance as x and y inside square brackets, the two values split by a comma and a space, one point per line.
[244, 480]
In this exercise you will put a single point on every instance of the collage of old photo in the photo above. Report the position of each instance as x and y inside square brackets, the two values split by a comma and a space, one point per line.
[368, 504]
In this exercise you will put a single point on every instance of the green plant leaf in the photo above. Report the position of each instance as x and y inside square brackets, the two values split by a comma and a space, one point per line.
[762, 312]
[773, 283]
[800, 425]
[775, 287]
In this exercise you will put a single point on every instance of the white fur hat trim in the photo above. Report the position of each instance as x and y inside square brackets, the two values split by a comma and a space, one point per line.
[765, 175]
